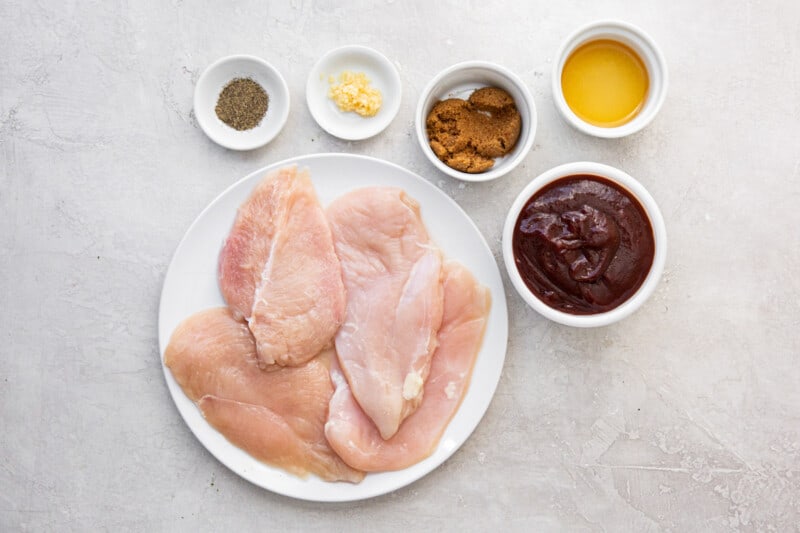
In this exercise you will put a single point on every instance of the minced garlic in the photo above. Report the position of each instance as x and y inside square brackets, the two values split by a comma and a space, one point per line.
[354, 93]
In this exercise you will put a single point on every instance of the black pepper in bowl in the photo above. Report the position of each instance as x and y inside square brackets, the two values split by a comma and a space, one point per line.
[242, 104]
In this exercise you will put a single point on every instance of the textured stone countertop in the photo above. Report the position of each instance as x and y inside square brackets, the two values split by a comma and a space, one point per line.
[684, 417]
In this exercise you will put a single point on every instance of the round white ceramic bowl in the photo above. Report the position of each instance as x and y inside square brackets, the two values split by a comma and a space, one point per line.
[216, 77]
[459, 81]
[381, 72]
[656, 221]
[644, 46]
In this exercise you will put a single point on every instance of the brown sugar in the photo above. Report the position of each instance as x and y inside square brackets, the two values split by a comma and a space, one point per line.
[468, 134]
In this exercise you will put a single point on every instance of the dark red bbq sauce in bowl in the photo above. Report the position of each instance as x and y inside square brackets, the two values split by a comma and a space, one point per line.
[583, 244]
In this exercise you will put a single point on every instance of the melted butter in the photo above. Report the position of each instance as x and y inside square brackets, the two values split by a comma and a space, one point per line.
[605, 83]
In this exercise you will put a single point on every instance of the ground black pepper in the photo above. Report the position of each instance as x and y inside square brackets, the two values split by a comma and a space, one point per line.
[242, 104]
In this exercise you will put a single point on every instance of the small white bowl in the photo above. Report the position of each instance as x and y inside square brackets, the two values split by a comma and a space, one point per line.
[461, 80]
[383, 76]
[644, 46]
[216, 77]
[656, 221]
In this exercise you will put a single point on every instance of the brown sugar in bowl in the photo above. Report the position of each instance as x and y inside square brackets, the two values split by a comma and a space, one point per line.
[460, 81]
[468, 135]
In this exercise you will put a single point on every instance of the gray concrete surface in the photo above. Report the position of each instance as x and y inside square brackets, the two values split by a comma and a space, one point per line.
[684, 417]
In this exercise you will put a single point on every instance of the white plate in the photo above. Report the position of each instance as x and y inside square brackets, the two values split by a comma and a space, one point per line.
[191, 285]
[383, 76]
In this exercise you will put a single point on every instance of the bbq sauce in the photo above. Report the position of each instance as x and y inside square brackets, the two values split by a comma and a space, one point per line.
[583, 244]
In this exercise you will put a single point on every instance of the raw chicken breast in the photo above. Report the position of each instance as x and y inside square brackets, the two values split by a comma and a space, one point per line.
[277, 417]
[269, 438]
[353, 435]
[278, 270]
[392, 275]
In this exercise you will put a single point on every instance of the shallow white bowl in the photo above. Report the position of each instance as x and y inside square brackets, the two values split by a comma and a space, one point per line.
[383, 76]
[216, 77]
[459, 81]
[656, 221]
[643, 45]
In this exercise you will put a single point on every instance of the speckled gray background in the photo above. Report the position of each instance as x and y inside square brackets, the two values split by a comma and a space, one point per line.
[684, 417]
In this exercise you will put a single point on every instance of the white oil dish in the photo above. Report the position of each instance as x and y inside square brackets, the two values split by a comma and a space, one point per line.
[646, 51]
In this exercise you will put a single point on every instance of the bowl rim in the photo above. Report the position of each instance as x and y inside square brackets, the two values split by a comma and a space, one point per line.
[283, 103]
[391, 111]
[648, 203]
[617, 27]
[509, 164]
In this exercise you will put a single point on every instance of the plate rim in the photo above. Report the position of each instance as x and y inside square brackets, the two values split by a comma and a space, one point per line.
[497, 300]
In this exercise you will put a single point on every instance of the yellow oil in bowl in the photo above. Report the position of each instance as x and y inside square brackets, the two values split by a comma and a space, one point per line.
[605, 83]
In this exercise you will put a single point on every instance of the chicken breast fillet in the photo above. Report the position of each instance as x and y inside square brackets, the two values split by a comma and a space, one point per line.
[279, 271]
[392, 277]
[351, 432]
[277, 417]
